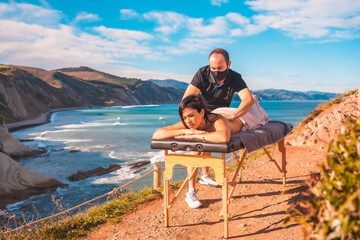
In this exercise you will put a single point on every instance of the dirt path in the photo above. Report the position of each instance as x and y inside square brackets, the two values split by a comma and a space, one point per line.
[257, 209]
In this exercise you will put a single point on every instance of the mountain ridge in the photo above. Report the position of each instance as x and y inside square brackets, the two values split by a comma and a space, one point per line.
[26, 92]
[263, 94]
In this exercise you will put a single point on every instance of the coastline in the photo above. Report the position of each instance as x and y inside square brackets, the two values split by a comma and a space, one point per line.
[42, 119]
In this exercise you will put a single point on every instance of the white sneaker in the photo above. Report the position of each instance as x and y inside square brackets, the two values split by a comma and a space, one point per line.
[208, 180]
[192, 199]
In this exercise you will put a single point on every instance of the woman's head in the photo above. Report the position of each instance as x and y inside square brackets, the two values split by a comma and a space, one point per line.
[192, 111]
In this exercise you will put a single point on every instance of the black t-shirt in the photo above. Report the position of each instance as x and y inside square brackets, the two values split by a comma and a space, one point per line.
[217, 95]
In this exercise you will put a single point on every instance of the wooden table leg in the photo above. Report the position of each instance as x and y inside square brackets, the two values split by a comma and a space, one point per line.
[225, 207]
[282, 149]
[166, 201]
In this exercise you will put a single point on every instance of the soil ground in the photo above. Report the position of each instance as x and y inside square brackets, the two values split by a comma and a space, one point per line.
[257, 209]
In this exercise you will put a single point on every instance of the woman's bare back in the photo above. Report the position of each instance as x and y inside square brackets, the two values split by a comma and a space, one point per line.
[234, 125]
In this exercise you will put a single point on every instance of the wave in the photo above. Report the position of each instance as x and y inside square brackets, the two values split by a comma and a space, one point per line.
[94, 124]
[64, 140]
[75, 140]
[157, 156]
[122, 174]
[40, 134]
[129, 156]
[94, 148]
[135, 106]
[19, 205]
[114, 155]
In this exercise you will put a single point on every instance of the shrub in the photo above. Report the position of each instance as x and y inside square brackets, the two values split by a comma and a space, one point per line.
[76, 226]
[333, 210]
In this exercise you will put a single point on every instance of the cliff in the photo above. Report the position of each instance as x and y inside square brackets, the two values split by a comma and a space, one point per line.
[12, 146]
[324, 124]
[17, 183]
[26, 93]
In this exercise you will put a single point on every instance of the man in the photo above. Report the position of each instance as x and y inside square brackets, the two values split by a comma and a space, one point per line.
[217, 83]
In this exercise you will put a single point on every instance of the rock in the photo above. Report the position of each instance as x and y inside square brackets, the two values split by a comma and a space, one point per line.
[74, 151]
[17, 183]
[139, 165]
[26, 140]
[99, 171]
[12, 146]
[327, 125]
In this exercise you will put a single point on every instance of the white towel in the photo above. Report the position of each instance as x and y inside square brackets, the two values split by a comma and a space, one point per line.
[254, 118]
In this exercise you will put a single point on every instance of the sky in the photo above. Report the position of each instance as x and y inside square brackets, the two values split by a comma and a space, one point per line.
[297, 45]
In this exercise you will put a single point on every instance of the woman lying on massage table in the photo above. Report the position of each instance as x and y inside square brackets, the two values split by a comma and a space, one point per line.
[197, 124]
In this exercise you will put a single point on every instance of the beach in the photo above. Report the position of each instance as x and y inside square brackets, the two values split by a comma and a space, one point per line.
[42, 119]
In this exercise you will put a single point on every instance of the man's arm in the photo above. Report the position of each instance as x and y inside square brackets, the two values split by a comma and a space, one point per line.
[246, 102]
[191, 90]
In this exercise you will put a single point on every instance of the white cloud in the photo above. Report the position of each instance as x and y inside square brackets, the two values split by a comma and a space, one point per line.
[126, 14]
[31, 14]
[316, 19]
[218, 2]
[34, 45]
[19, 31]
[237, 18]
[131, 72]
[217, 27]
[247, 30]
[169, 21]
[196, 45]
[89, 17]
[115, 34]
[271, 5]
[355, 21]
[299, 19]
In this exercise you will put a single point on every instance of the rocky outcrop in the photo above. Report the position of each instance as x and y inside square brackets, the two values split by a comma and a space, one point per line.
[139, 166]
[12, 146]
[17, 183]
[99, 171]
[327, 126]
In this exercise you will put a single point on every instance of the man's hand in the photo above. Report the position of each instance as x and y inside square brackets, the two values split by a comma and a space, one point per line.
[191, 90]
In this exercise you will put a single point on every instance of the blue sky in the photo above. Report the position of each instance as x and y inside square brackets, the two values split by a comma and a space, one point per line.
[288, 44]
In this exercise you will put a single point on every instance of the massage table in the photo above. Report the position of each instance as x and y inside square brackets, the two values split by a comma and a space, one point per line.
[200, 154]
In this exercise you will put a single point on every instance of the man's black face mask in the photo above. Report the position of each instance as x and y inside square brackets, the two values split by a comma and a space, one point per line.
[218, 76]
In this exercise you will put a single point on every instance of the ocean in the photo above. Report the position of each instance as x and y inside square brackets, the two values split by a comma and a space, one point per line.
[84, 139]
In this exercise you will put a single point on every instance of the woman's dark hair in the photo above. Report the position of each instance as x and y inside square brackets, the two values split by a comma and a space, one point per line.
[222, 52]
[192, 101]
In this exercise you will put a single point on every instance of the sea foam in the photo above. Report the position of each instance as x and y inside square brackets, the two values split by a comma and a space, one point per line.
[134, 106]
[119, 176]
[157, 156]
